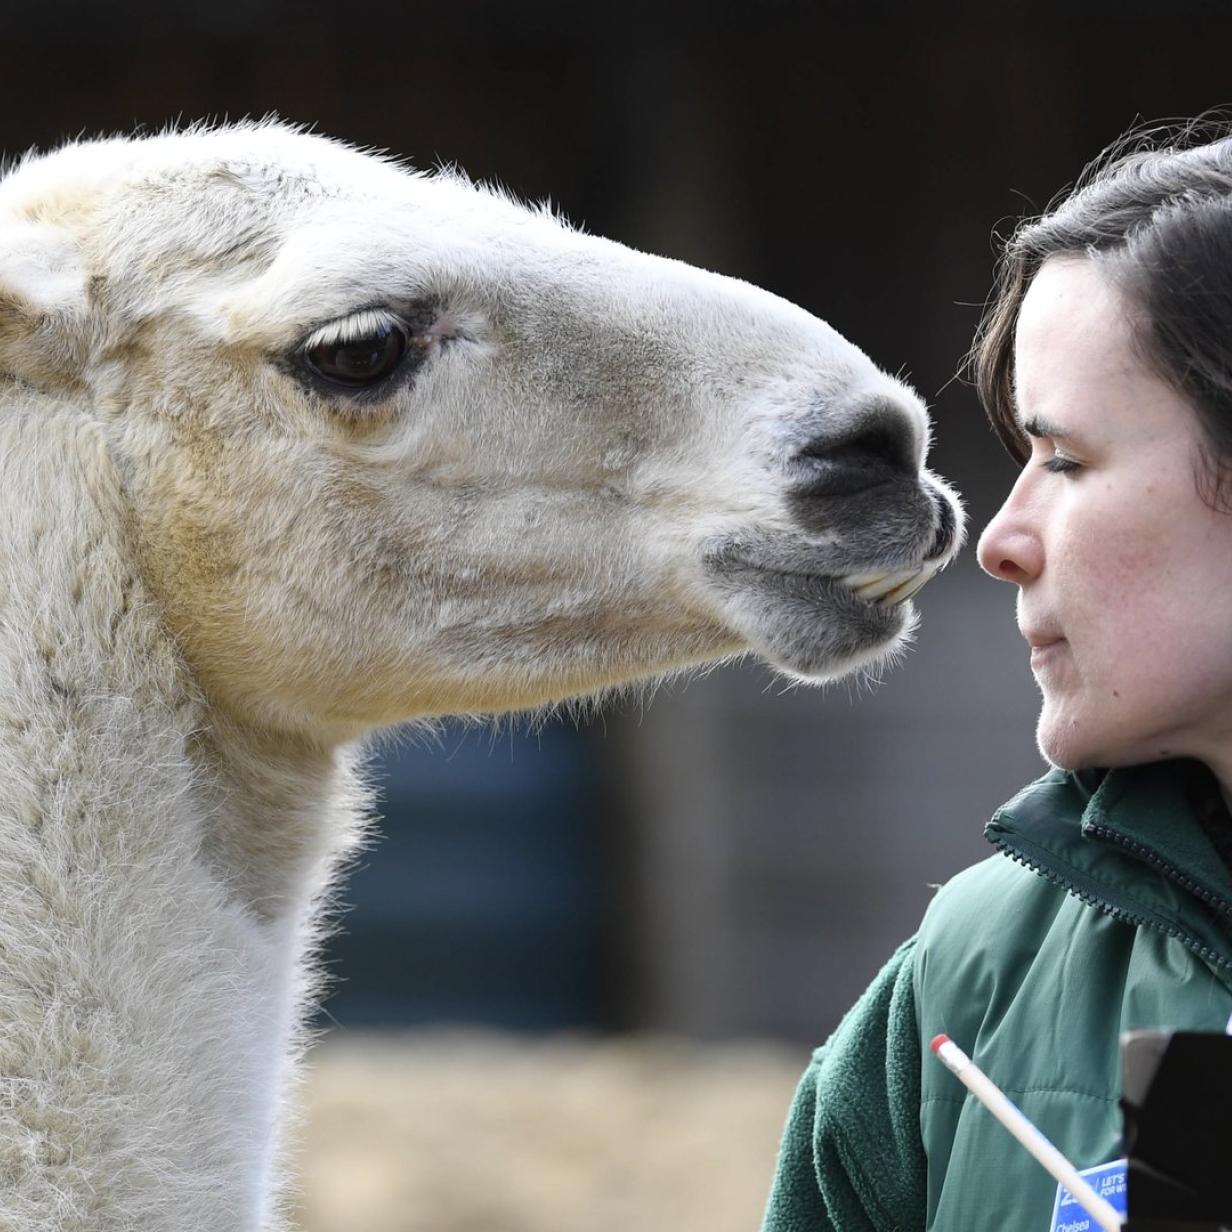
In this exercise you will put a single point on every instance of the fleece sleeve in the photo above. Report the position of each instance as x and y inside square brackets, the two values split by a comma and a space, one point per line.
[851, 1158]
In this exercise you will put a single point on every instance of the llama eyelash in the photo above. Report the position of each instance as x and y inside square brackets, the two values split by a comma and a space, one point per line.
[350, 329]
[359, 359]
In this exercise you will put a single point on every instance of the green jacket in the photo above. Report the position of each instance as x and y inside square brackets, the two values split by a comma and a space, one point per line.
[1112, 912]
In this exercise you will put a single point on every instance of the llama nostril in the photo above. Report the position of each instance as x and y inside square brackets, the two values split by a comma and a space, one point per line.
[878, 453]
[947, 526]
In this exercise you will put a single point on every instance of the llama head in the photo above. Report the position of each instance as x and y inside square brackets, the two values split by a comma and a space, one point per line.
[394, 444]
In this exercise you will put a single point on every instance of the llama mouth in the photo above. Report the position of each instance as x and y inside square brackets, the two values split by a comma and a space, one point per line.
[889, 588]
[875, 588]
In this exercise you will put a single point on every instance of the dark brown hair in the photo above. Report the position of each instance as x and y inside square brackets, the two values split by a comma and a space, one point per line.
[1154, 211]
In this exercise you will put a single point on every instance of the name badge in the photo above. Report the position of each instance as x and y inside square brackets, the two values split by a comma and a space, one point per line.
[1108, 1180]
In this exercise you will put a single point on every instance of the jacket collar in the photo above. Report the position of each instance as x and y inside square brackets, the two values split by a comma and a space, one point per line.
[1131, 842]
[1158, 811]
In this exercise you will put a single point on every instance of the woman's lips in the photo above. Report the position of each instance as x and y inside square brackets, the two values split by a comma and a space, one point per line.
[1043, 652]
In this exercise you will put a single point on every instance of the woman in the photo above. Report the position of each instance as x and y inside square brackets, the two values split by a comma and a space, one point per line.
[1105, 364]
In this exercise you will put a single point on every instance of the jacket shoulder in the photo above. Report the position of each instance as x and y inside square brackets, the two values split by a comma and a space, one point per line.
[984, 925]
[995, 888]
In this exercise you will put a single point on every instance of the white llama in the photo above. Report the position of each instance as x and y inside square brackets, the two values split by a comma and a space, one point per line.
[294, 444]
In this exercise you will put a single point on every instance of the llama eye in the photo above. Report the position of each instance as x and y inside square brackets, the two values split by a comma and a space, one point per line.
[359, 362]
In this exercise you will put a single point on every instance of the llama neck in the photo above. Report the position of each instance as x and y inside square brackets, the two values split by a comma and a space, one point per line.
[158, 866]
[282, 812]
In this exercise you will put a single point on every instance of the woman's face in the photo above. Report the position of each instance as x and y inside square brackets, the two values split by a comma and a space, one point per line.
[1124, 575]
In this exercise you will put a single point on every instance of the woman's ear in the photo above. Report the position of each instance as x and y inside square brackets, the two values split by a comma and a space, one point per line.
[43, 303]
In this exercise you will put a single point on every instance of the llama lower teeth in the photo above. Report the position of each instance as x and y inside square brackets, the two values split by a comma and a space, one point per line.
[909, 588]
[856, 580]
[886, 585]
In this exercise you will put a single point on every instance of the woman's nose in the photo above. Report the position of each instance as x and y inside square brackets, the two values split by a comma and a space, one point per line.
[1010, 548]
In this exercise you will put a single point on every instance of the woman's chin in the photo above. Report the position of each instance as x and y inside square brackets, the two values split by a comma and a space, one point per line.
[1069, 741]
[1061, 738]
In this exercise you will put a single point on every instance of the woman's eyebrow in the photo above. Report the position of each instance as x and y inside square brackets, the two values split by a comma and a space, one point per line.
[1035, 426]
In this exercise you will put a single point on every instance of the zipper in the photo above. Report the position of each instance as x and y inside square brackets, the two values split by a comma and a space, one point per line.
[1123, 914]
[1150, 856]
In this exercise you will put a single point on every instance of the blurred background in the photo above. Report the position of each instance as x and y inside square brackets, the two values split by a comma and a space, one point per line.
[583, 965]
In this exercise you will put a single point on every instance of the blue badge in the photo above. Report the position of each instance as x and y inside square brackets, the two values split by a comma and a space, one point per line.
[1108, 1180]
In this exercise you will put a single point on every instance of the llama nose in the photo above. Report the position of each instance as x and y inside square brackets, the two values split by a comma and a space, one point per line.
[947, 525]
[882, 448]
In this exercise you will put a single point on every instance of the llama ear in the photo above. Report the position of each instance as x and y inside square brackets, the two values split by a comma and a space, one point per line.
[42, 301]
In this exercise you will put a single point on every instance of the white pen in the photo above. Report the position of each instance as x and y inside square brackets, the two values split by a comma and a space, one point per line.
[1011, 1116]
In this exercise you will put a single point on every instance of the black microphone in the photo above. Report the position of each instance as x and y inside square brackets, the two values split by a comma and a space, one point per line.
[1177, 1108]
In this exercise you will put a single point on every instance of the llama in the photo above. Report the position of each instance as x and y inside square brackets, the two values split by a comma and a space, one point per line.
[295, 444]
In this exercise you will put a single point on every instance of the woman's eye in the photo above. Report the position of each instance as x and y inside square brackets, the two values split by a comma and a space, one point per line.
[1060, 465]
[359, 362]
